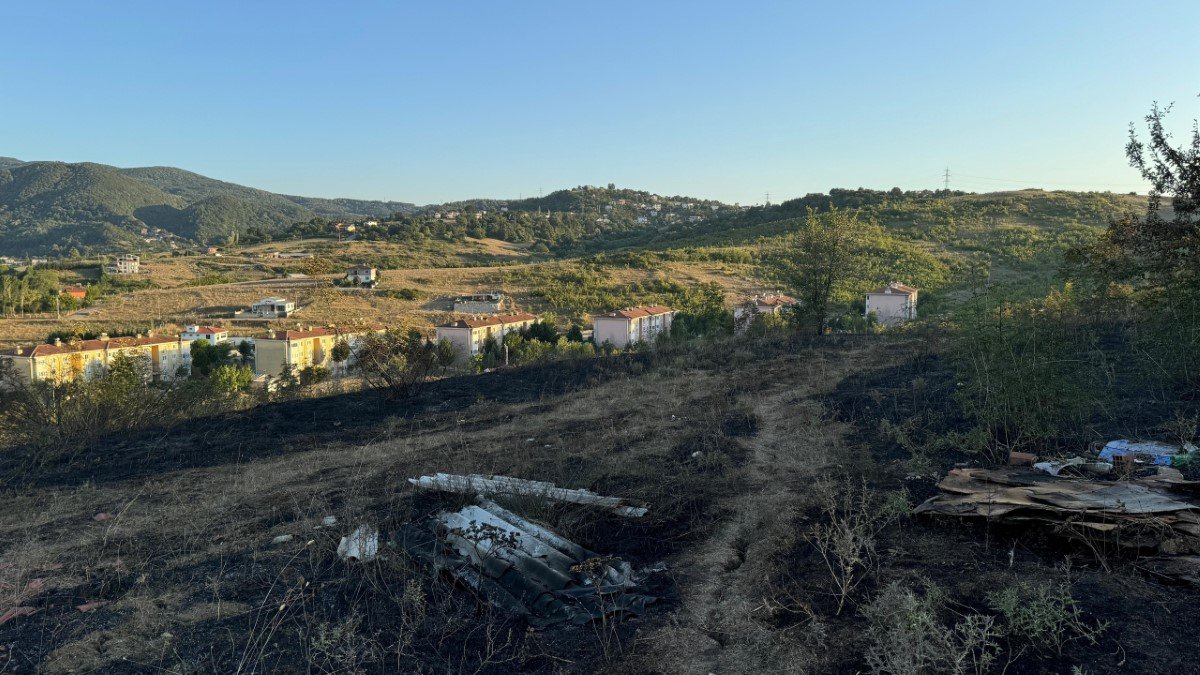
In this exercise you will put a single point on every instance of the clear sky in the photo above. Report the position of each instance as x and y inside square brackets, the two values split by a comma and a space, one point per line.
[442, 100]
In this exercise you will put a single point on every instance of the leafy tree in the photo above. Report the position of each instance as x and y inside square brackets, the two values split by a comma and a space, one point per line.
[541, 330]
[399, 363]
[340, 352]
[447, 354]
[313, 375]
[575, 333]
[245, 348]
[1149, 263]
[207, 357]
[820, 261]
[229, 379]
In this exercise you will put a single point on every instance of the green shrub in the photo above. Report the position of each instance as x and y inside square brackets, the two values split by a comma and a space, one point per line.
[1043, 614]
[912, 634]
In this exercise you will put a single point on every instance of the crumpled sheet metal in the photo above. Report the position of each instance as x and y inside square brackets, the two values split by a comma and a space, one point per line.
[1164, 502]
[523, 568]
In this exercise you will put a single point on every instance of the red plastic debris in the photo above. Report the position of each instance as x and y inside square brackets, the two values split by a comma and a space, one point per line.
[94, 605]
[15, 613]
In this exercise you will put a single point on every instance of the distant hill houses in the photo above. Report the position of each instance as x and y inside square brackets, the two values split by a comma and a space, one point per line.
[479, 303]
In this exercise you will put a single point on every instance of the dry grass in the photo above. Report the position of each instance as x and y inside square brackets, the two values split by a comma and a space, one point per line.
[174, 303]
[188, 555]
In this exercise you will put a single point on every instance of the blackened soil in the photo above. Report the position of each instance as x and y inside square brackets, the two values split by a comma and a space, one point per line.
[299, 425]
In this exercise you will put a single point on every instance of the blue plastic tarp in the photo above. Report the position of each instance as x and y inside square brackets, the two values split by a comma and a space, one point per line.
[1159, 453]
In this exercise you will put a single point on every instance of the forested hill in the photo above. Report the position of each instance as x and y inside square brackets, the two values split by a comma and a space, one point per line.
[53, 207]
[56, 207]
[946, 217]
[1020, 225]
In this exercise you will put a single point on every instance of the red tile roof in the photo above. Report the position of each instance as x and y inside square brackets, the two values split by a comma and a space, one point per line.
[87, 346]
[635, 312]
[773, 300]
[210, 330]
[496, 320]
[893, 289]
[78, 292]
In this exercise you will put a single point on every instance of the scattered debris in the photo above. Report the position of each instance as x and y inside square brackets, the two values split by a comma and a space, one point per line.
[362, 544]
[1156, 453]
[1185, 568]
[93, 606]
[16, 613]
[101, 517]
[505, 485]
[1146, 512]
[329, 521]
[1074, 465]
[523, 568]
[282, 539]
[1021, 458]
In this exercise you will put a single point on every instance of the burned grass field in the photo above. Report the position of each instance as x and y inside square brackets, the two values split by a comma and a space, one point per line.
[213, 546]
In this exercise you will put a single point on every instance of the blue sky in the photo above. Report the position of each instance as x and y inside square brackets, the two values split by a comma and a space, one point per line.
[434, 101]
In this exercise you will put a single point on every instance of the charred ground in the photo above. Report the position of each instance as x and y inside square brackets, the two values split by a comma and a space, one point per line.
[732, 445]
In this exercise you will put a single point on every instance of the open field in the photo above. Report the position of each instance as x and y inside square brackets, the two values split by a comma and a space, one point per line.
[170, 306]
[727, 446]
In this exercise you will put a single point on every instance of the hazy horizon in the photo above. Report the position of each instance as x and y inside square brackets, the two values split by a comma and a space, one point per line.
[436, 104]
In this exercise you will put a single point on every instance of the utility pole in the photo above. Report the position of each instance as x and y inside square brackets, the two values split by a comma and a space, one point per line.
[946, 179]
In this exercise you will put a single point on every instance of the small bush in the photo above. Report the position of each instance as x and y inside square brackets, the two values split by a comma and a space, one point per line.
[845, 538]
[1043, 614]
[908, 635]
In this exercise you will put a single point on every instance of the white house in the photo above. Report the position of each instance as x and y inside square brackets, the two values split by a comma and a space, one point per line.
[771, 303]
[272, 308]
[892, 304]
[624, 327]
[126, 263]
[362, 275]
[479, 303]
[469, 335]
[213, 334]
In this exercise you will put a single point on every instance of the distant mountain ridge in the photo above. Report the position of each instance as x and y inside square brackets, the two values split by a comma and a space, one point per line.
[50, 207]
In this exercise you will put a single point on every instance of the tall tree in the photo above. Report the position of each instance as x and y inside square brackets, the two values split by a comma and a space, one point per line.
[822, 261]
[1152, 262]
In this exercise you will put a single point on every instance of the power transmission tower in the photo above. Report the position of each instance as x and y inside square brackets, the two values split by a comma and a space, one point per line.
[768, 199]
[946, 179]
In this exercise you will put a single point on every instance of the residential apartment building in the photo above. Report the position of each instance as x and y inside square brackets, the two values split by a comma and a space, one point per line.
[60, 361]
[306, 348]
[469, 335]
[126, 263]
[479, 303]
[631, 325]
[892, 304]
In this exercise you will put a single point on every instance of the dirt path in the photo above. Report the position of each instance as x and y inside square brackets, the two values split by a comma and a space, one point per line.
[722, 624]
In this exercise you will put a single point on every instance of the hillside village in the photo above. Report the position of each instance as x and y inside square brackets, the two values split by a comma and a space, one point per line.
[276, 353]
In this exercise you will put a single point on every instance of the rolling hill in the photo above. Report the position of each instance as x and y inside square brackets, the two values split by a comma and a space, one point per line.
[53, 207]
